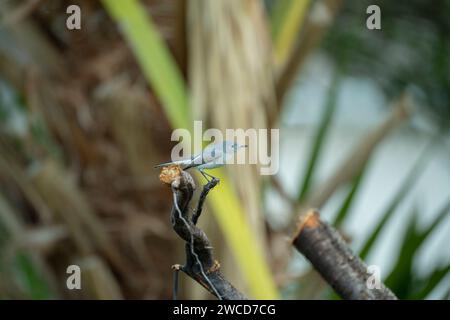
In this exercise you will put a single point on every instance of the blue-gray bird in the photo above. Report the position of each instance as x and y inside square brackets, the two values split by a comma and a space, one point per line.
[213, 156]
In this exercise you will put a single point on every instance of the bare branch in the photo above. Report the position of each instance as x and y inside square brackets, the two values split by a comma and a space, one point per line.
[200, 263]
[324, 247]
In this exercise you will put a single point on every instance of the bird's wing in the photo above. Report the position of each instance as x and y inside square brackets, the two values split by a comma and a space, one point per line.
[212, 152]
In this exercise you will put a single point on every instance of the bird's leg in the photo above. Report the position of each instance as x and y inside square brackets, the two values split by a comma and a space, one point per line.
[212, 177]
[204, 174]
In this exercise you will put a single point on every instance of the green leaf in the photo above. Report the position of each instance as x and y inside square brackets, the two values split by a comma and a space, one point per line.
[287, 17]
[319, 141]
[440, 216]
[32, 281]
[430, 282]
[401, 280]
[446, 295]
[348, 201]
[20, 268]
[155, 60]
[406, 186]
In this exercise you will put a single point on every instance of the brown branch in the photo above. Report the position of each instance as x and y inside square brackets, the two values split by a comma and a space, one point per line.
[324, 247]
[200, 263]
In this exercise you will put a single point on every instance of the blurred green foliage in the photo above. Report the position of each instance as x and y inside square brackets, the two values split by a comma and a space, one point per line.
[409, 52]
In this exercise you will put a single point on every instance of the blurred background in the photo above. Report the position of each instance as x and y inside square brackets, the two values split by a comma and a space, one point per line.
[85, 114]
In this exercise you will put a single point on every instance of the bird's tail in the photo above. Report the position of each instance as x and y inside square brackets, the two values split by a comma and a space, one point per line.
[164, 164]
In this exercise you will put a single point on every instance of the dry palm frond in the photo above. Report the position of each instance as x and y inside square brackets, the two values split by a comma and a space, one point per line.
[99, 280]
[12, 224]
[231, 80]
[98, 194]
